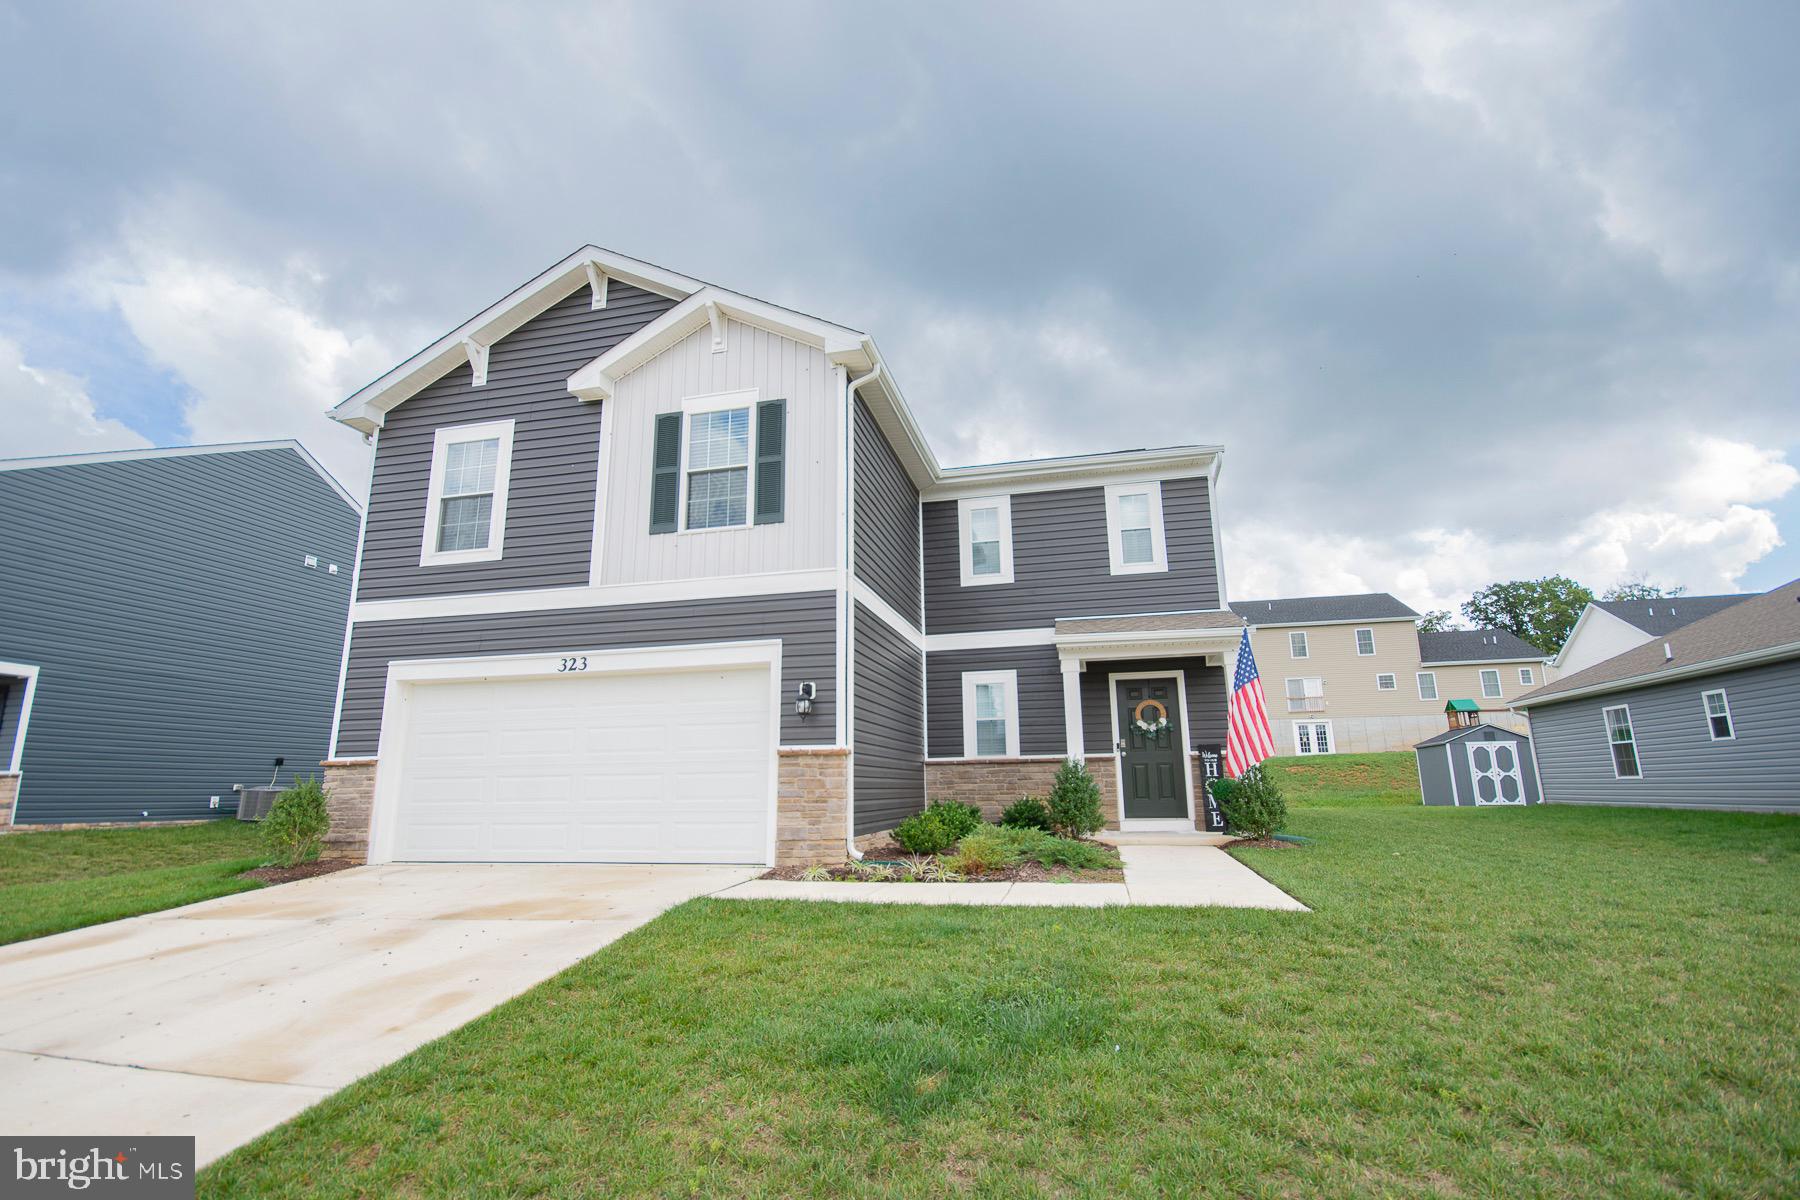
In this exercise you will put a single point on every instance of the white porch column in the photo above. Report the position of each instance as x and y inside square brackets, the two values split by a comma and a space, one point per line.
[1071, 678]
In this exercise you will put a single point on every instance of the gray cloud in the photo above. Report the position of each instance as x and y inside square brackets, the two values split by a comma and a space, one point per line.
[1484, 270]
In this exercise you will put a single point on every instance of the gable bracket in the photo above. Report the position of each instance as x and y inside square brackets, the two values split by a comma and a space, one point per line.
[597, 283]
[717, 319]
[478, 360]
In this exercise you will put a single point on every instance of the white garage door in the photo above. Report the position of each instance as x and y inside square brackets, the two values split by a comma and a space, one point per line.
[666, 767]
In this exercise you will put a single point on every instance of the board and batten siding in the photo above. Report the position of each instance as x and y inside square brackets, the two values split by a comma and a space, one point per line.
[1758, 770]
[888, 767]
[1041, 726]
[780, 369]
[1061, 564]
[887, 520]
[806, 624]
[548, 540]
[183, 644]
[1205, 700]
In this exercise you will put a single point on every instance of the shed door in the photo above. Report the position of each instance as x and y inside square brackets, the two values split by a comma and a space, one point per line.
[1494, 766]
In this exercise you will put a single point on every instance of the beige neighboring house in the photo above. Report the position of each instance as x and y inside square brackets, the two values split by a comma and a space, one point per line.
[1353, 674]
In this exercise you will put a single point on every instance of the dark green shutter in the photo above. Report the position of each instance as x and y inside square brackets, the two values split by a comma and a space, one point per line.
[665, 474]
[771, 480]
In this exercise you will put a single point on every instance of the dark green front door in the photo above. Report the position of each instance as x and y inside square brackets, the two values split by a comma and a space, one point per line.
[1154, 765]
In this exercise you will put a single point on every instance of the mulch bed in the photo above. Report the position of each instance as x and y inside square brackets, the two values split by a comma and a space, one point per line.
[1025, 872]
[321, 866]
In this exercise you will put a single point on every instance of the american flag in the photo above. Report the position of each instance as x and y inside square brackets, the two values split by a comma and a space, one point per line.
[1250, 739]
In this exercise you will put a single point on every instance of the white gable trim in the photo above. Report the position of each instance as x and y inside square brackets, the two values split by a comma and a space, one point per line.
[368, 407]
[711, 306]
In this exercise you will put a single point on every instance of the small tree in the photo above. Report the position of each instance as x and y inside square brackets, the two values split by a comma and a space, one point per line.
[1074, 801]
[294, 831]
[1253, 807]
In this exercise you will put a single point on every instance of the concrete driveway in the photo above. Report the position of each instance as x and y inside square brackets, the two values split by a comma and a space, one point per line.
[223, 1019]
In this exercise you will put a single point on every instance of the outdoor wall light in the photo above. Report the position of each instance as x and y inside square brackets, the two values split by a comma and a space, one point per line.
[804, 700]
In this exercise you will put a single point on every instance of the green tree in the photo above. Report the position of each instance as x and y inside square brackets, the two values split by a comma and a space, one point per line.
[1436, 621]
[1542, 611]
[1641, 589]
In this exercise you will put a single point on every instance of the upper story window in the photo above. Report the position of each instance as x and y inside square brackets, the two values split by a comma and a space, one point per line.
[984, 532]
[1297, 644]
[1718, 715]
[465, 515]
[1526, 677]
[1490, 683]
[719, 463]
[1134, 528]
[1387, 683]
[1623, 741]
[1365, 642]
[1306, 695]
[1427, 685]
[718, 468]
[990, 714]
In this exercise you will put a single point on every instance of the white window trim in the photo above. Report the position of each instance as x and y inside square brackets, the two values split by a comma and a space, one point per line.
[1730, 721]
[1481, 678]
[969, 681]
[429, 554]
[1356, 637]
[1330, 737]
[1637, 755]
[1115, 542]
[1288, 694]
[1393, 684]
[711, 402]
[1419, 681]
[965, 549]
[1527, 677]
[1305, 644]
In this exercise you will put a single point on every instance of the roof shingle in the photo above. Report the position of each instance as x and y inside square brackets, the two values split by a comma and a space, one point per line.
[1475, 645]
[1309, 610]
[1668, 613]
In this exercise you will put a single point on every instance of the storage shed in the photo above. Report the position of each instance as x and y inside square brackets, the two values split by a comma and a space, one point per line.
[1477, 765]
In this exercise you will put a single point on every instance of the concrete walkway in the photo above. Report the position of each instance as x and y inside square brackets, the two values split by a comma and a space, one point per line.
[1187, 873]
[223, 1019]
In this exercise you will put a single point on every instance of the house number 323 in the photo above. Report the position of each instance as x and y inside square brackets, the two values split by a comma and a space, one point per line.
[565, 665]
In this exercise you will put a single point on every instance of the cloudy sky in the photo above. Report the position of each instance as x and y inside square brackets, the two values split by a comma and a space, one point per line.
[1468, 292]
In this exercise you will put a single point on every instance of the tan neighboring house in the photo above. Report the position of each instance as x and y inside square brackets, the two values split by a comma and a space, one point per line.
[1353, 674]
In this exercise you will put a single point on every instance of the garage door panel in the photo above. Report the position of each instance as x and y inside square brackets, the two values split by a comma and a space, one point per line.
[648, 768]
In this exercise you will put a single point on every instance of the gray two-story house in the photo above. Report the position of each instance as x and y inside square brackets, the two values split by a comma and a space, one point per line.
[656, 571]
[171, 625]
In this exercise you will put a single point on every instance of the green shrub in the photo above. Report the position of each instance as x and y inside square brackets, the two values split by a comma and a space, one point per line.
[1222, 789]
[938, 828]
[1027, 812]
[1254, 807]
[989, 848]
[1075, 801]
[996, 847]
[294, 831]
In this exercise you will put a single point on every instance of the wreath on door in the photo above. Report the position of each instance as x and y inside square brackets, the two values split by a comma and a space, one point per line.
[1150, 726]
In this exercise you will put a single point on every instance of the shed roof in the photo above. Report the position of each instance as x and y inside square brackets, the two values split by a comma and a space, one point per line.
[1462, 706]
[1451, 735]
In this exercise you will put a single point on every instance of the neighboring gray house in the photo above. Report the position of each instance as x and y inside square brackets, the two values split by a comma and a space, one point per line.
[1704, 717]
[172, 622]
[657, 571]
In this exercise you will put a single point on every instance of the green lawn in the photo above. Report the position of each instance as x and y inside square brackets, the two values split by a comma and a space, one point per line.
[55, 881]
[1348, 780]
[1521, 1003]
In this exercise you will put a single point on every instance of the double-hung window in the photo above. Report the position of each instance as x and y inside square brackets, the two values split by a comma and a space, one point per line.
[1365, 642]
[1527, 677]
[990, 714]
[1490, 684]
[1386, 683]
[984, 532]
[1427, 685]
[1306, 695]
[1297, 644]
[1134, 528]
[465, 516]
[1718, 715]
[718, 468]
[1623, 742]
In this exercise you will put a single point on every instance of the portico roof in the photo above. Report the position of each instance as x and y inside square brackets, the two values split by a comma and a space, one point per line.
[1208, 631]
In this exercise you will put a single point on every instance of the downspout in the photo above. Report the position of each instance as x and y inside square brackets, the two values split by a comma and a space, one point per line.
[873, 374]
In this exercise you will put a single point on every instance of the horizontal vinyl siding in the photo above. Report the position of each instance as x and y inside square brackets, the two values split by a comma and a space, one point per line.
[184, 645]
[1061, 565]
[556, 446]
[889, 726]
[887, 520]
[806, 625]
[1205, 697]
[1682, 765]
[1041, 727]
